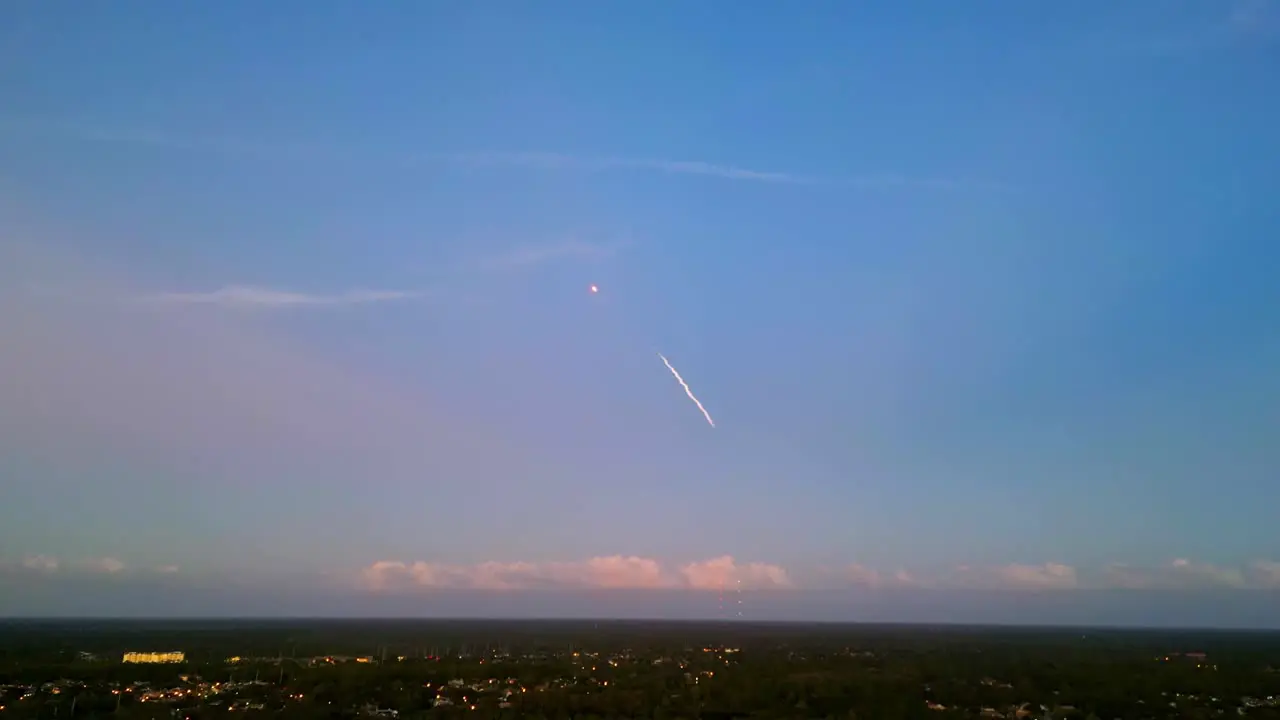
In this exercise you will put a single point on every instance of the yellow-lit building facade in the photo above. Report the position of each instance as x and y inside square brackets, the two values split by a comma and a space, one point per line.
[155, 657]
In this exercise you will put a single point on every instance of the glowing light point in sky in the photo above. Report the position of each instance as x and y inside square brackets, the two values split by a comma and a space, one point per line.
[595, 289]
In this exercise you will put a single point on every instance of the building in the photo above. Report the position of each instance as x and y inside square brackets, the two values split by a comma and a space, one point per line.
[175, 656]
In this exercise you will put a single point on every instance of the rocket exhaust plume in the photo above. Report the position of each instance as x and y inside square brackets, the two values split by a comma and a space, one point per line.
[687, 391]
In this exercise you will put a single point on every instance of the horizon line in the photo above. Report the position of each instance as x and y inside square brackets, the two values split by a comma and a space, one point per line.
[939, 624]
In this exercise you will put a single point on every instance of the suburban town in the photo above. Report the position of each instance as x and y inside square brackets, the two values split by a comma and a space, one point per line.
[640, 670]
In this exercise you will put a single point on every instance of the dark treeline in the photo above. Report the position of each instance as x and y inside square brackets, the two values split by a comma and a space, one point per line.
[218, 638]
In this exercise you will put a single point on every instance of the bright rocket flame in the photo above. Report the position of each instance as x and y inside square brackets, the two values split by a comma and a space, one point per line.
[687, 391]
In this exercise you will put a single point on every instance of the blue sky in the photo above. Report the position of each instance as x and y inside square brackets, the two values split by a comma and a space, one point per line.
[981, 300]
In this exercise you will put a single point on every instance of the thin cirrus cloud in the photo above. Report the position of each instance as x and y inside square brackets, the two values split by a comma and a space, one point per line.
[542, 160]
[527, 256]
[1179, 574]
[538, 160]
[1251, 19]
[561, 161]
[1224, 27]
[242, 297]
[1183, 574]
[261, 397]
[519, 257]
[1046, 576]
[250, 298]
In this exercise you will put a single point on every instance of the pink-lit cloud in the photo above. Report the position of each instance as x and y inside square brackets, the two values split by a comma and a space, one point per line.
[605, 572]
[724, 572]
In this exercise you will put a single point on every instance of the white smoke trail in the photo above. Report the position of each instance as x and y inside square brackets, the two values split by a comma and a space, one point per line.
[687, 391]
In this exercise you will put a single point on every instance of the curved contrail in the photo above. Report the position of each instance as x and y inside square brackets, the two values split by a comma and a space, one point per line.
[687, 391]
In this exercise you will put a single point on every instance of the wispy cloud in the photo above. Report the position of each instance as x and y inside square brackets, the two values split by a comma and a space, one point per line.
[1178, 574]
[560, 161]
[160, 139]
[1183, 573]
[74, 371]
[862, 576]
[1253, 18]
[521, 257]
[107, 565]
[552, 161]
[48, 564]
[1015, 576]
[527, 255]
[249, 298]
[40, 563]
[543, 160]
[1225, 25]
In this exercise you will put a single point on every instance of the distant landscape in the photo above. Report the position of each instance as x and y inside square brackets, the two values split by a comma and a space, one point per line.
[633, 669]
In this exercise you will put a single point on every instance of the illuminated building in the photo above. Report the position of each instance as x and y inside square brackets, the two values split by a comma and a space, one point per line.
[175, 656]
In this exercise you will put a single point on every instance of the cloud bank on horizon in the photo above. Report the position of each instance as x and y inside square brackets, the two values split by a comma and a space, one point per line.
[720, 574]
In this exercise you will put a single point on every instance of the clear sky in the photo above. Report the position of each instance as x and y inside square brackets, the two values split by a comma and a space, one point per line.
[984, 299]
